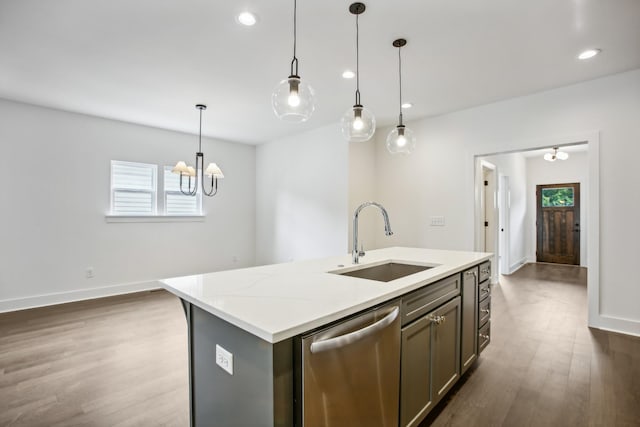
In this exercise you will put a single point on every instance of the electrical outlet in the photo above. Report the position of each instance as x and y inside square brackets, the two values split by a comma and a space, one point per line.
[437, 221]
[89, 272]
[224, 359]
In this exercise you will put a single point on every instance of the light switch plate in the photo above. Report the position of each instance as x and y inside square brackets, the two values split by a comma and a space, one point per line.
[224, 359]
[437, 221]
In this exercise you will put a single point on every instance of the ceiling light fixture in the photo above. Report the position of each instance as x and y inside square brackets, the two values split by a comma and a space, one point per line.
[401, 138]
[348, 74]
[589, 53]
[358, 123]
[197, 173]
[407, 105]
[556, 155]
[247, 18]
[292, 99]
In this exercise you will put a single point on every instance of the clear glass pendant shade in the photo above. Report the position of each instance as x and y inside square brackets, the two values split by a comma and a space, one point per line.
[358, 124]
[293, 100]
[401, 140]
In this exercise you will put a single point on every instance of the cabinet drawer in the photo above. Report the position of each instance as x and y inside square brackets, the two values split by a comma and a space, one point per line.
[484, 290]
[484, 336]
[484, 312]
[485, 271]
[431, 296]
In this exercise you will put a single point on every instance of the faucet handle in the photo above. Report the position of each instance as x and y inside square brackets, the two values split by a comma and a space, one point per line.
[361, 252]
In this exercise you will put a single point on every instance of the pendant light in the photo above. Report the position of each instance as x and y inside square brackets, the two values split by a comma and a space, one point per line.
[556, 155]
[358, 123]
[292, 99]
[197, 173]
[401, 139]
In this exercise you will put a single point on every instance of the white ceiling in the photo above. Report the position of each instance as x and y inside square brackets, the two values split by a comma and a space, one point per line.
[151, 61]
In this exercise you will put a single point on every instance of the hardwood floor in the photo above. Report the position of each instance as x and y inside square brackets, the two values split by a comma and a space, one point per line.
[544, 366]
[122, 361]
[119, 361]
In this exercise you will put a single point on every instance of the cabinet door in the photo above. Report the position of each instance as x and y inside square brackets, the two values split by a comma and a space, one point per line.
[445, 351]
[469, 343]
[415, 377]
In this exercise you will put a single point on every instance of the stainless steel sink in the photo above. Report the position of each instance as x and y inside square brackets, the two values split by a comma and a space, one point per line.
[385, 272]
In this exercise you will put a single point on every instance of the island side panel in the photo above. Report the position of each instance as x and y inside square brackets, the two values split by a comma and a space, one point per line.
[260, 391]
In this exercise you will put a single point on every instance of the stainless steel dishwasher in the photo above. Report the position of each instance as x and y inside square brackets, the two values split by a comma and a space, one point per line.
[351, 371]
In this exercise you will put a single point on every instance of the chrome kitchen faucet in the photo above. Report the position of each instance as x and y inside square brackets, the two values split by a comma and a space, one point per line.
[355, 253]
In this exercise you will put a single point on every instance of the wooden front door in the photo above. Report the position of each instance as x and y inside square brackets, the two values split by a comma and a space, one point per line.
[558, 223]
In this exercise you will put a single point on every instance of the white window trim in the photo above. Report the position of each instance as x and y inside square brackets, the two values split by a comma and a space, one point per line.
[154, 218]
[159, 202]
[163, 200]
[153, 191]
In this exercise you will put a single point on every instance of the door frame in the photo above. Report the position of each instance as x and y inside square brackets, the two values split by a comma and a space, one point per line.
[595, 318]
[481, 166]
[504, 224]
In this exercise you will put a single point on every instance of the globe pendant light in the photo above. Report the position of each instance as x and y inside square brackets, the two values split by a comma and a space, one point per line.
[358, 123]
[198, 172]
[292, 99]
[401, 139]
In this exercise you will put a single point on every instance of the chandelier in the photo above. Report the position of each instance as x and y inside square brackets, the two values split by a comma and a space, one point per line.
[197, 173]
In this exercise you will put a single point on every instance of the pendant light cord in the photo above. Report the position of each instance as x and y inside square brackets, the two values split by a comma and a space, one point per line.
[294, 61]
[357, 60]
[400, 80]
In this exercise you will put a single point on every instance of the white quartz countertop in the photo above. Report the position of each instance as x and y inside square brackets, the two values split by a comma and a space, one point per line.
[279, 301]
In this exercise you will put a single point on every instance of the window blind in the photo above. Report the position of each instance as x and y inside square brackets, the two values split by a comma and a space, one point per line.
[133, 188]
[176, 203]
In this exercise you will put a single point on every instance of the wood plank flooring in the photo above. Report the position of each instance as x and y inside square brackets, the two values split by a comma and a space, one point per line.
[122, 361]
[119, 361]
[544, 366]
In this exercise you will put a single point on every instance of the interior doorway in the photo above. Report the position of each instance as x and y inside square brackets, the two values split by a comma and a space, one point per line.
[519, 196]
[558, 223]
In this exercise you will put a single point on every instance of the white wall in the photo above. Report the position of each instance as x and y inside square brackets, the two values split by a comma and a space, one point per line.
[302, 196]
[540, 172]
[55, 168]
[362, 162]
[514, 166]
[437, 179]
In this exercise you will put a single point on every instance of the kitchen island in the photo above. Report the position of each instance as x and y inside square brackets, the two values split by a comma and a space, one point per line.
[246, 326]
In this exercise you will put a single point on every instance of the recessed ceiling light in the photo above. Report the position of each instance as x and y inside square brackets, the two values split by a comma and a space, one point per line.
[589, 53]
[407, 105]
[247, 18]
[348, 74]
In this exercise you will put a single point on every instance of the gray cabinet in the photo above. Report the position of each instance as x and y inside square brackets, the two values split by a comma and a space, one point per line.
[446, 348]
[469, 342]
[430, 363]
[415, 377]
[484, 306]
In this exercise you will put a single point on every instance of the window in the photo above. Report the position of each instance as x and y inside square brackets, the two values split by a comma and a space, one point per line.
[133, 188]
[138, 191]
[554, 197]
[176, 203]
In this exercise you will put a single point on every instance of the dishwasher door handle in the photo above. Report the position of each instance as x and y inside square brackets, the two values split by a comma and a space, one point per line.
[346, 339]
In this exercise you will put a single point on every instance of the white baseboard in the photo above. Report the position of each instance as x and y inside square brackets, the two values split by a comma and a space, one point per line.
[517, 265]
[615, 324]
[77, 295]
